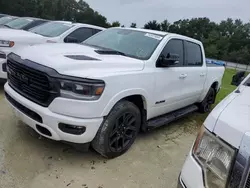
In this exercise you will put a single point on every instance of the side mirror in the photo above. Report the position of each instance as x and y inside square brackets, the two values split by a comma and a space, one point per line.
[238, 78]
[69, 39]
[169, 60]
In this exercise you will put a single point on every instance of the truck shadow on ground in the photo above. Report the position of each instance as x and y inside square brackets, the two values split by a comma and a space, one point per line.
[57, 151]
[27, 154]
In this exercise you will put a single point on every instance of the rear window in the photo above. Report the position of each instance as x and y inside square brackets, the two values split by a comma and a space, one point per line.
[193, 54]
[51, 29]
[19, 23]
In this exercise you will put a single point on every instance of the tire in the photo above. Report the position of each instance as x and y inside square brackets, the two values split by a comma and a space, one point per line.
[118, 130]
[205, 105]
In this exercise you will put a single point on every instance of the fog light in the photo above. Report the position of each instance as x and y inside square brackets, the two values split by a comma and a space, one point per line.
[72, 129]
[4, 67]
[2, 56]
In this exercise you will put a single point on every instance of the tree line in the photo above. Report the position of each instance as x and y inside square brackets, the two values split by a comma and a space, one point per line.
[228, 40]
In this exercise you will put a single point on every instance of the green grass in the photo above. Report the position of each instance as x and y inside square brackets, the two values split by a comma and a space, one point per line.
[226, 86]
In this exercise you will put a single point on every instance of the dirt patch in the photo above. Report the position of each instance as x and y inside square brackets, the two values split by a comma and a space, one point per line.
[28, 160]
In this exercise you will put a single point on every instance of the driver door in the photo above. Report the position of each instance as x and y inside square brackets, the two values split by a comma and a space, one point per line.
[169, 80]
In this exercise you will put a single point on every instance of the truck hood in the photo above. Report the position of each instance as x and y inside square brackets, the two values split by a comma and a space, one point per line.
[19, 35]
[79, 60]
[230, 120]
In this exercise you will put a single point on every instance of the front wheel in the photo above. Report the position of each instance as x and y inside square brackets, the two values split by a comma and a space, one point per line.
[118, 131]
[205, 105]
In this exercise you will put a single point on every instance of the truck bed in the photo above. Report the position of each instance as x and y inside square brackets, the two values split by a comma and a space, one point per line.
[213, 65]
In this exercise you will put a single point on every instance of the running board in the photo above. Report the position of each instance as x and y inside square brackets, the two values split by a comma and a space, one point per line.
[172, 116]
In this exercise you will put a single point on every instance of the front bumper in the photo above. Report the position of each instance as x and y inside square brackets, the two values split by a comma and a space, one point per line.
[51, 120]
[191, 175]
[180, 183]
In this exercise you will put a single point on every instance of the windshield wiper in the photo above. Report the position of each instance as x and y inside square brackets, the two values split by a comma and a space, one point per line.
[110, 52]
[37, 33]
[91, 45]
[6, 25]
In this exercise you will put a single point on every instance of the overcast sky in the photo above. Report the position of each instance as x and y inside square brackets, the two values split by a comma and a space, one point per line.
[141, 11]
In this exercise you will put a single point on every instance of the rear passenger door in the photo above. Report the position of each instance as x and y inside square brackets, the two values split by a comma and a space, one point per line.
[81, 34]
[196, 72]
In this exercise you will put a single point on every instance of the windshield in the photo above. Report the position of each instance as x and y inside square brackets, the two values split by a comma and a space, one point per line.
[19, 23]
[136, 44]
[51, 29]
[5, 20]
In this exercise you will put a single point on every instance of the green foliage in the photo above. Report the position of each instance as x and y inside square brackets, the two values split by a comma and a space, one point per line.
[165, 25]
[71, 10]
[116, 24]
[133, 25]
[154, 25]
[229, 40]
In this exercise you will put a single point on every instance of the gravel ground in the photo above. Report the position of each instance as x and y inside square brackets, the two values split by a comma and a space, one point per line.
[30, 161]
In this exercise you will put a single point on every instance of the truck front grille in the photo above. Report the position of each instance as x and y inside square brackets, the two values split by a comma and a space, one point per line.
[31, 83]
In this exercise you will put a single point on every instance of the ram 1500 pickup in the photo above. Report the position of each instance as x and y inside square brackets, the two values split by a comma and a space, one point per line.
[50, 32]
[220, 156]
[114, 84]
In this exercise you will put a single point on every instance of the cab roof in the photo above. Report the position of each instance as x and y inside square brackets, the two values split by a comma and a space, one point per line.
[146, 30]
[162, 33]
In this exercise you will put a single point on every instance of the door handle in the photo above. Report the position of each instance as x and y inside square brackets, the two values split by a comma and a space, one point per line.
[203, 74]
[182, 76]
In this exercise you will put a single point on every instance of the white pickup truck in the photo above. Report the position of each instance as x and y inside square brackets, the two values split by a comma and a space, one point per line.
[50, 32]
[220, 156]
[114, 84]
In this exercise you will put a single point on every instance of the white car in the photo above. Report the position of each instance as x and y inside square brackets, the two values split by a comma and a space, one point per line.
[114, 84]
[51, 32]
[220, 155]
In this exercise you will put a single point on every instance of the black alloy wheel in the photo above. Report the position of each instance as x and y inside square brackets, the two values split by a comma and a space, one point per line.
[123, 132]
[206, 104]
[118, 130]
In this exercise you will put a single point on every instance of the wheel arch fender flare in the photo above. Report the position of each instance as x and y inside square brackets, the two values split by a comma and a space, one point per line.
[214, 84]
[123, 94]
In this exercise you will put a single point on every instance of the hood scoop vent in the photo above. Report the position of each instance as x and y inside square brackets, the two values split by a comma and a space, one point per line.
[82, 57]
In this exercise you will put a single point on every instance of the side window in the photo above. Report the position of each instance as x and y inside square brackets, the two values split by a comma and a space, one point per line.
[175, 46]
[96, 31]
[81, 34]
[193, 54]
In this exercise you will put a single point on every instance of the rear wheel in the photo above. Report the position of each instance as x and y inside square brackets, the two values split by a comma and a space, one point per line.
[205, 105]
[118, 131]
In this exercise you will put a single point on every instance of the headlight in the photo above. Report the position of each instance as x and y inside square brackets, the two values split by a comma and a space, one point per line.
[6, 43]
[81, 91]
[215, 157]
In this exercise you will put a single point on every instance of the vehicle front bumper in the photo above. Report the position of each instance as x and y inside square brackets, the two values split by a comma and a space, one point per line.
[50, 120]
[180, 183]
[191, 175]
